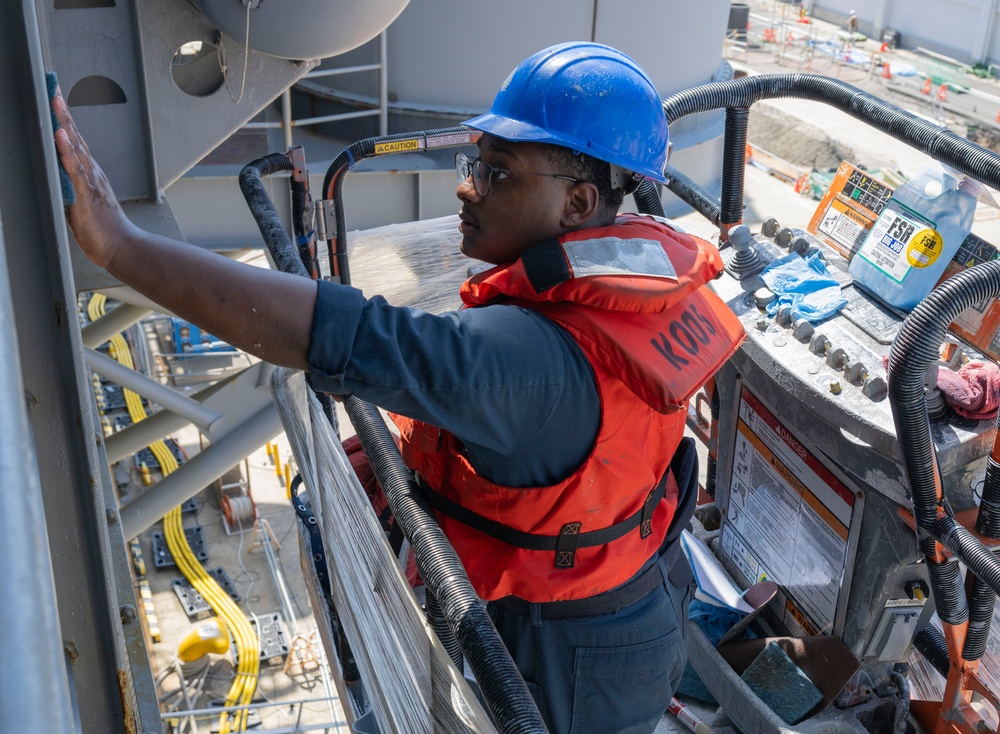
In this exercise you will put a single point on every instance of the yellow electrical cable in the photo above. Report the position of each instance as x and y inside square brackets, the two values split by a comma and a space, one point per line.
[248, 649]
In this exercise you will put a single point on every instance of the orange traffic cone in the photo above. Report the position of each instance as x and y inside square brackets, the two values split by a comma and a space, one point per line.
[942, 94]
[800, 182]
[927, 86]
[998, 117]
[886, 71]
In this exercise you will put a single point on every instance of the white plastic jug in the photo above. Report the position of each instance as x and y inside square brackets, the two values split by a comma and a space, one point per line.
[915, 237]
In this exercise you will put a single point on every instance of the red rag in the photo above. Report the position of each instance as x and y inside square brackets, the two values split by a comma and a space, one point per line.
[972, 392]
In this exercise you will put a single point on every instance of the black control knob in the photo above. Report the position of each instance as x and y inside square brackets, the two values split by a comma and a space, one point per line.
[783, 237]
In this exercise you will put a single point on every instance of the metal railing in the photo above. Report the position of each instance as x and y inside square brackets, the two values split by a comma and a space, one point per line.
[211, 713]
[287, 123]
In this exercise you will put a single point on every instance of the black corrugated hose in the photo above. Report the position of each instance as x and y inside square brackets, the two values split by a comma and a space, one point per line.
[932, 646]
[692, 194]
[982, 600]
[279, 244]
[915, 348]
[733, 167]
[499, 680]
[503, 688]
[647, 198]
[949, 593]
[943, 145]
[988, 518]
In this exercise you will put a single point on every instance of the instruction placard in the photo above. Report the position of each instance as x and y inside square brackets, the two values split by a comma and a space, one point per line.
[788, 518]
[849, 208]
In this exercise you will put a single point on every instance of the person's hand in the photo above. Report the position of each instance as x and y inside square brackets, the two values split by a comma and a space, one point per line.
[97, 220]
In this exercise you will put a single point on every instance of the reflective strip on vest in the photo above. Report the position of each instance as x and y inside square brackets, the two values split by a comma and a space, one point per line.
[614, 256]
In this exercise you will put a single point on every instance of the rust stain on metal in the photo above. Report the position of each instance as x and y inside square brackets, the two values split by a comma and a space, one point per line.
[128, 701]
[70, 647]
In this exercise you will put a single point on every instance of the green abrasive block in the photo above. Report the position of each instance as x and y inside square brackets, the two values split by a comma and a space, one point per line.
[781, 684]
[691, 685]
[68, 194]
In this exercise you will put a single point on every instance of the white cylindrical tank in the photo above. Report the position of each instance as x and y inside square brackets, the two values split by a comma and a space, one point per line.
[301, 29]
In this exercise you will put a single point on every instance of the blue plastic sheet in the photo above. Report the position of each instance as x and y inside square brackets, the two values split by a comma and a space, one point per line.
[805, 283]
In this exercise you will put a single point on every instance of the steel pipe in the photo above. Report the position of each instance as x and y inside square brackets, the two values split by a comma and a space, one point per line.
[113, 322]
[142, 512]
[166, 397]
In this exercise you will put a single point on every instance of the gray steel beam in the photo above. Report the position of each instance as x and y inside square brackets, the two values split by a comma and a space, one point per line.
[34, 688]
[199, 472]
[164, 396]
[86, 562]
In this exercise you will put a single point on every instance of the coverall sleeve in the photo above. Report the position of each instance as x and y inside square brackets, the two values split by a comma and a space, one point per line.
[512, 385]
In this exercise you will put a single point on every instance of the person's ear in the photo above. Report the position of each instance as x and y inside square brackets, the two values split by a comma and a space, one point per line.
[582, 200]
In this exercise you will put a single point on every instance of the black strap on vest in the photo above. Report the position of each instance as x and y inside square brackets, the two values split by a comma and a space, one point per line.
[569, 539]
[545, 265]
[684, 467]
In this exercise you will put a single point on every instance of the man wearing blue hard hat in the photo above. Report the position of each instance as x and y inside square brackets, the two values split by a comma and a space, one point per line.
[545, 419]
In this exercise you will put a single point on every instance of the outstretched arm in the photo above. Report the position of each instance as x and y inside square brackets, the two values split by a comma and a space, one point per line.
[264, 312]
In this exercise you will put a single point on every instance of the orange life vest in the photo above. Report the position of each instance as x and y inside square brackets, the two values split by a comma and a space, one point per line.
[631, 296]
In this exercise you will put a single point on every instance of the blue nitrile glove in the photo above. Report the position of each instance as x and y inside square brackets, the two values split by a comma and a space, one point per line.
[713, 620]
[805, 284]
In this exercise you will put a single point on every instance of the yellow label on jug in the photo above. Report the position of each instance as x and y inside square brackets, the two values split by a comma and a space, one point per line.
[925, 248]
[895, 243]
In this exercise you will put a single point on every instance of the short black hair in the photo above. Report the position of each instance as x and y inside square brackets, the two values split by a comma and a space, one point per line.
[587, 168]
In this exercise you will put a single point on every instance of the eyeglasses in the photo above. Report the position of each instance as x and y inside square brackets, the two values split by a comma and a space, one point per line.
[483, 173]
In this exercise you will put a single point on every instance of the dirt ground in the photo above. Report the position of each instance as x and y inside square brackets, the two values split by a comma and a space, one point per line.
[789, 138]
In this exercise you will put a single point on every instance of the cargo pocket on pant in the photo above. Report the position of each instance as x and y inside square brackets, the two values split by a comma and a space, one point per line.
[625, 689]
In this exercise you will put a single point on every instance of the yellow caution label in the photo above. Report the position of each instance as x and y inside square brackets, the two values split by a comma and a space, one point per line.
[924, 248]
[399, 146]
[793, 613]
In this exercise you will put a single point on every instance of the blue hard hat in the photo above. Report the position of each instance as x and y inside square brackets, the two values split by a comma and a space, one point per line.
[587, 97]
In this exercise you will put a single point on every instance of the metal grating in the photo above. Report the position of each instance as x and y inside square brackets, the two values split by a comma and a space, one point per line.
[163, 558]
[192, 601]
[273, 637]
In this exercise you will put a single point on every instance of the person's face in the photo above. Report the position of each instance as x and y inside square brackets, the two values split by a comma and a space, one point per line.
[519, 210]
